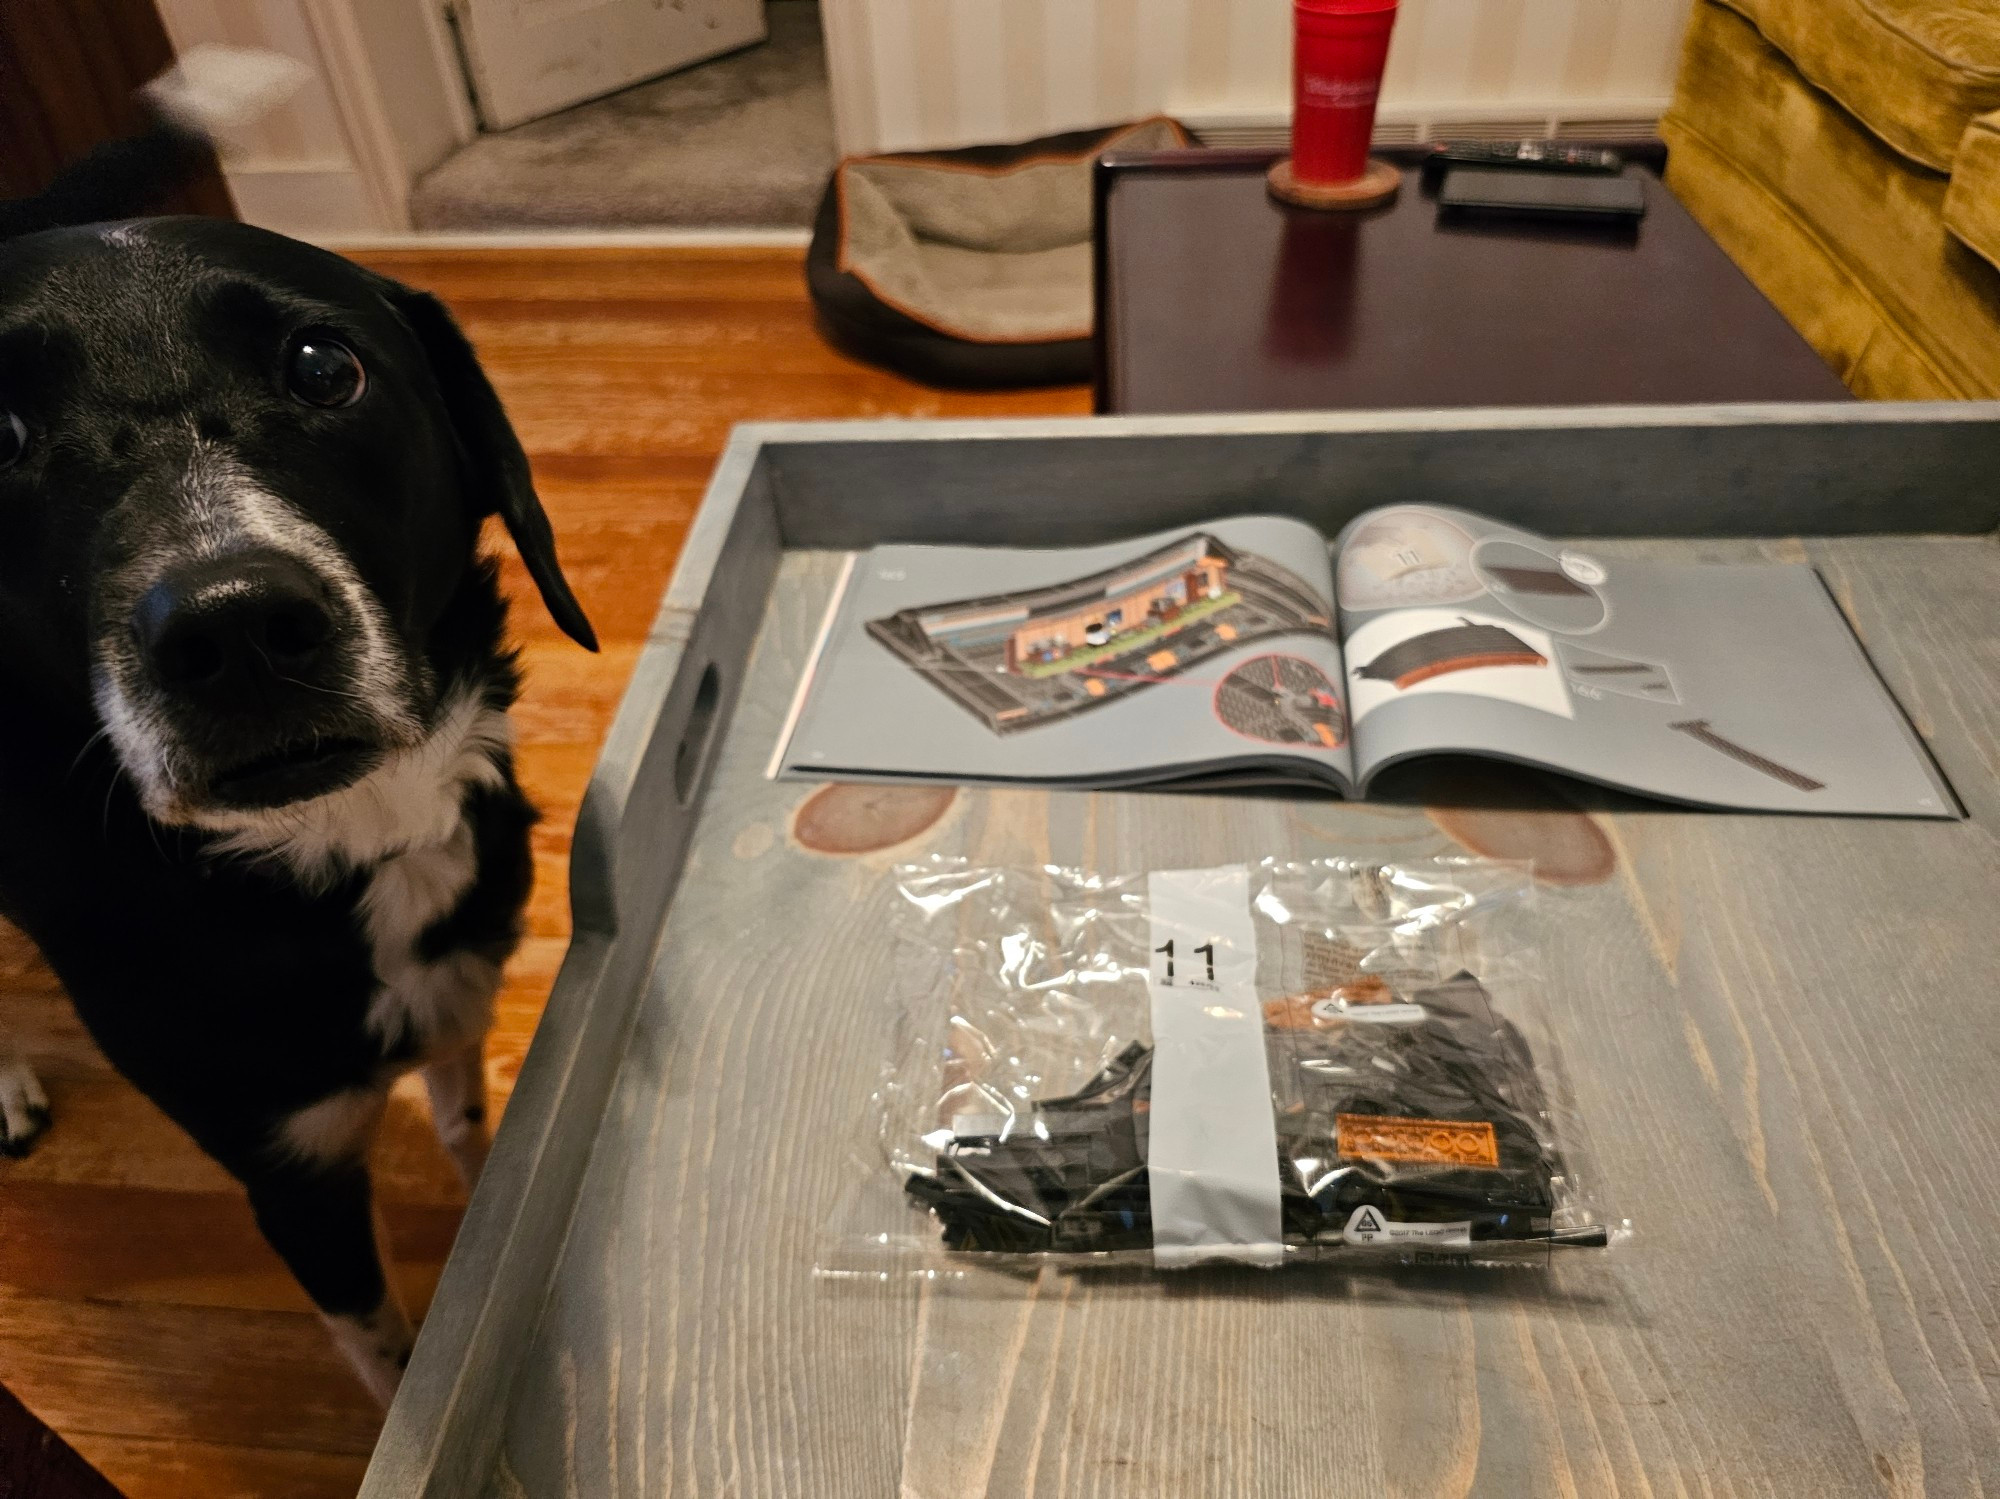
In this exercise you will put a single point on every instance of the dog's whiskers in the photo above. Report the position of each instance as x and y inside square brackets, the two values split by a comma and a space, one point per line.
[88, 745]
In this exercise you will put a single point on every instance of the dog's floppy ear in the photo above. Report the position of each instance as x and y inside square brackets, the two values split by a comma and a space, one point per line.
[496, 470]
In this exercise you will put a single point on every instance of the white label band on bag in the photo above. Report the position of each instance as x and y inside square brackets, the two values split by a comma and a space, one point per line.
[1212, 1160]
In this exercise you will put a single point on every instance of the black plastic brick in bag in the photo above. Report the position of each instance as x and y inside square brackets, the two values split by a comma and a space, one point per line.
[1408, 1061]
[1421, 1109]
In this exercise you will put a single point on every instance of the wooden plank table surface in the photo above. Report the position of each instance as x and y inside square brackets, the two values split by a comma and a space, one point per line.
[1782, 1037]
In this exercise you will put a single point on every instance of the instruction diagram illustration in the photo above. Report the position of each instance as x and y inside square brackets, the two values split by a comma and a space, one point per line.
[1413, 652]
[1017, 660]
[1282, 700]
[1593, 672]
[1407, 556]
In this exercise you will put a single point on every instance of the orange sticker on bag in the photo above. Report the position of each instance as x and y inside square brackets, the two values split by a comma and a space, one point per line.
[1424, 1142]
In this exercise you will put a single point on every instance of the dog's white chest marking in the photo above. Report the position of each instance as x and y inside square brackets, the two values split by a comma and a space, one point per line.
[432, 1006]
[404, 822]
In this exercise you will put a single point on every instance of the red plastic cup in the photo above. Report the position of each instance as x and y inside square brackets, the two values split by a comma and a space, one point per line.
[1339, 48]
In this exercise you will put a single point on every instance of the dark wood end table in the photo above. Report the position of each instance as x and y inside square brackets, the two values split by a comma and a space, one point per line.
[1212, 296]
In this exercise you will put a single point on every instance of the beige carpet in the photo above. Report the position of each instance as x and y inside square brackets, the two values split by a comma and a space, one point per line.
[745, 140]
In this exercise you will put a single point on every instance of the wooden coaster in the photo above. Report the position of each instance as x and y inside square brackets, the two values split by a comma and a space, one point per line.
[1376, 185]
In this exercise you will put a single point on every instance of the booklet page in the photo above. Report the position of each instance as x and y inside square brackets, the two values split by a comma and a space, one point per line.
[1735, 686]
[1091, 666]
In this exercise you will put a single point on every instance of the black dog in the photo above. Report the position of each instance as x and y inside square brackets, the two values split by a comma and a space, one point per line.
[257, 804]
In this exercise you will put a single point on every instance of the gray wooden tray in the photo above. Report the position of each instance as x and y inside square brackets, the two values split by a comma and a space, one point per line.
[1782, 1032]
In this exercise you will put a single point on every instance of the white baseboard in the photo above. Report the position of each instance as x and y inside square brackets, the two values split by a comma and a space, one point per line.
[304, 201]
[1414, 124]
[330, 207]
[350, 239]
[328, 204]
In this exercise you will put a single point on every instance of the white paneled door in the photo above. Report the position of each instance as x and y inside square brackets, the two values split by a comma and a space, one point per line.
[533, 57]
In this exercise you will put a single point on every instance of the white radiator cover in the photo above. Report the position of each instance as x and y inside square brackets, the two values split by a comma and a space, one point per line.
[918, 74]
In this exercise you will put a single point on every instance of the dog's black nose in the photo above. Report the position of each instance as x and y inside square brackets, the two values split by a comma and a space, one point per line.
[234, 626]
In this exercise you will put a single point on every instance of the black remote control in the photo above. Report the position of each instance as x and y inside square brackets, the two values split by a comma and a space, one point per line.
[1540, 156]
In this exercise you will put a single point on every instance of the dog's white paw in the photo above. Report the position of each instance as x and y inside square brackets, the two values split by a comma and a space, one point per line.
[24, 1107]
[377, 1346]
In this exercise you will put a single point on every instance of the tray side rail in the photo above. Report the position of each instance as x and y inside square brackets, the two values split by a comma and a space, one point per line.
[442, 1436]
[1780, 470]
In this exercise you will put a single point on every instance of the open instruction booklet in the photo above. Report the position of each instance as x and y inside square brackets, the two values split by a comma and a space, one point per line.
[1218, 654]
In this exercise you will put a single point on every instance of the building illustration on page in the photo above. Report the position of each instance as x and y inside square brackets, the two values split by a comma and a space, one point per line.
[1018, 660]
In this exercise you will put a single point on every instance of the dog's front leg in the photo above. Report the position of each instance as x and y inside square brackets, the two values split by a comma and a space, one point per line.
[457, 1085]
[321, 1220]
[315, 1204]
[24, 1107]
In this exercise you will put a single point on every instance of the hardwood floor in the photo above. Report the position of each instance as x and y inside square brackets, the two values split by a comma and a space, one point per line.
[140, 1314]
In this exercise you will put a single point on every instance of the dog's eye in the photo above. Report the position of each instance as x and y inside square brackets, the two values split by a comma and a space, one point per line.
[13, 440]
[324, 373]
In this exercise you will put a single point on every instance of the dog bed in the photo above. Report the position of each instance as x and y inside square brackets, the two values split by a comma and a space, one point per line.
[970, 267]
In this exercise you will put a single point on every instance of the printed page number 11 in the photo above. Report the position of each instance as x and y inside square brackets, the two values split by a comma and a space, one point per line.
[1206, 951]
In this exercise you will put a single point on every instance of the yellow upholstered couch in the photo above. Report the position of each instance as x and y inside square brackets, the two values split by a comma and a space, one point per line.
[1846, 153]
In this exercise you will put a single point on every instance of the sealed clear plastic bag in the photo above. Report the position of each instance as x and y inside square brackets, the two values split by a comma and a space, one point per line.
[1257, 1063]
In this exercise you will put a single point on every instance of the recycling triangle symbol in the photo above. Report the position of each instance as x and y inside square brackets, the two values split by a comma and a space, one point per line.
[1367, 1223]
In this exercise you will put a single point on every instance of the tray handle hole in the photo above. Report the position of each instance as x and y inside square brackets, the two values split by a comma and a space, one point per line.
[693, 751]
